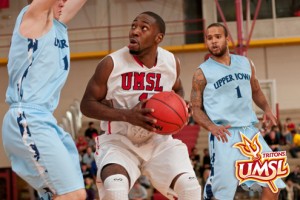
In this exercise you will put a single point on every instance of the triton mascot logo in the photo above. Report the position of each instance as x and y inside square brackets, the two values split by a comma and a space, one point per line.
[261, 167]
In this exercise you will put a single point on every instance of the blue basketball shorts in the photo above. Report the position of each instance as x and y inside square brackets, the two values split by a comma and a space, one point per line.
[40, 151]
[222, 182]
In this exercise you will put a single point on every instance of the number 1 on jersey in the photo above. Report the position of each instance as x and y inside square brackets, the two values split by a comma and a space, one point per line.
[238, 91]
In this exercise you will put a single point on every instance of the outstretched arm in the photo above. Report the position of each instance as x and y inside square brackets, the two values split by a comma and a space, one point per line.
[36, 20]
[260, 99]
[199, 115]
[71, 9]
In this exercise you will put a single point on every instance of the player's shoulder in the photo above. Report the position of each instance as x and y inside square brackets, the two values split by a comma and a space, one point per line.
[24, 9]
[240, 60]
[122, 50]
[166, 55]
[205, 64]
[22, 12]
[164, 51]
[239, 57]
[120, 53]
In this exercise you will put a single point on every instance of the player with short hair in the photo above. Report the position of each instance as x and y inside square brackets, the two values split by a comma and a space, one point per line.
[41, 152]
[223, 88]
[116, 95]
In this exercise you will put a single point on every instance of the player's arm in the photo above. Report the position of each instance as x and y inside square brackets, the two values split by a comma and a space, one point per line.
[70, 9]
[259, 97]
[36, 21]
[94, 104]
[37, 7]
[177, 87]
[199, 114]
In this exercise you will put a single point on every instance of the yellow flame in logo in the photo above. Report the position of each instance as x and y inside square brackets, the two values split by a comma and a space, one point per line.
[250, 148]
[264, 170]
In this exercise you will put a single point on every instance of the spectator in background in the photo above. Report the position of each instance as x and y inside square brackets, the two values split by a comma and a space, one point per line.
[289, 125]
[90, 131]
[205, 162]
[280, 134]
[295, 175]
[92, 142]
[290, 192]
[289, 129]
[90, 188]
[88, 157]
[81, 144]
[86, 172]
[138, 192]
[295, 148]
[195, 159]
[94, 169]
[272, 139]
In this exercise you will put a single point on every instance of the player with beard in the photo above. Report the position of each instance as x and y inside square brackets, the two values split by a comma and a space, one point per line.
[116, 95]
[223, 89]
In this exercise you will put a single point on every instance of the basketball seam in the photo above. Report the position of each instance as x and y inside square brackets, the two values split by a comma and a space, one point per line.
[168, 123]
[170, 107]
[179, 98]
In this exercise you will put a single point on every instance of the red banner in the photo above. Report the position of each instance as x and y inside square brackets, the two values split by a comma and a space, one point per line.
[4, 4]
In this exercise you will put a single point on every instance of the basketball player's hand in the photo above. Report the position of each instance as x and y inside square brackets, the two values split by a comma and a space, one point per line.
[138, 116]
[269, 119]
[220, 132]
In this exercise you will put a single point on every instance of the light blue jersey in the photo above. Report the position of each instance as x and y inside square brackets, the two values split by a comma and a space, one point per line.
[37, 71]
[40, 151]
[227, 100]
[227, 96]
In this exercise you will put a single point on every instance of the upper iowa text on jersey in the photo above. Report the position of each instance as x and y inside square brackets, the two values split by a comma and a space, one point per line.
[231, 77]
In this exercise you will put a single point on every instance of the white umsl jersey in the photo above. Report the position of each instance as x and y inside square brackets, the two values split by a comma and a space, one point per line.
[130, 82]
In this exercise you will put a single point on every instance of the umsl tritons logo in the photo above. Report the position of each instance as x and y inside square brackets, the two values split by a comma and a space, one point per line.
[261, 167]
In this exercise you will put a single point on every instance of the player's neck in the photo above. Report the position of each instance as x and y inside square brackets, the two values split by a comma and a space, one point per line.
[224, 59]
[148, 61]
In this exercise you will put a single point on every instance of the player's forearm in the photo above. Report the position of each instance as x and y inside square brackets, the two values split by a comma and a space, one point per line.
[71, 9]
[201, 118]
[40, 5]
[260, 100]
[97, 110]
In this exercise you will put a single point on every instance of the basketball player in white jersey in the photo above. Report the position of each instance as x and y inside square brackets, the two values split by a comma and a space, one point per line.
[223, 89]
[115, 95]
[41, 152]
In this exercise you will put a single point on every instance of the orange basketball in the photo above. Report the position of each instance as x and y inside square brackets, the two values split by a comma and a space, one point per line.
[170, 110]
